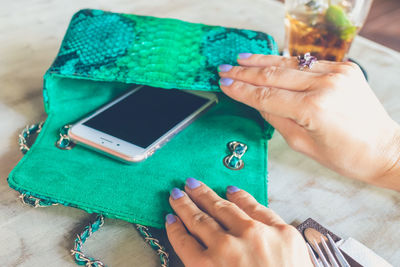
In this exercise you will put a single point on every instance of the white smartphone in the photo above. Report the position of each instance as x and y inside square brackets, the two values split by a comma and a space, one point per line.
[132, 127]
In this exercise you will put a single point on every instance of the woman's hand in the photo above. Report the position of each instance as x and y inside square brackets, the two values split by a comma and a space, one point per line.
[210, 231]
[328, 112]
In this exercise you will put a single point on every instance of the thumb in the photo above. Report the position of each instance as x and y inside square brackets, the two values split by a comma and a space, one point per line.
[295, 135]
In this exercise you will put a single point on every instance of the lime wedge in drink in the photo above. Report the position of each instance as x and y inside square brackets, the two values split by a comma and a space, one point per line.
[338, 22]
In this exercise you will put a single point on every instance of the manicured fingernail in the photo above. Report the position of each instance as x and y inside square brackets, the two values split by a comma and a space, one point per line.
[170, 218]
[244, 55]
[225, 81]
[176, 193]
[224, 67]
[232, 189]
[192, 183]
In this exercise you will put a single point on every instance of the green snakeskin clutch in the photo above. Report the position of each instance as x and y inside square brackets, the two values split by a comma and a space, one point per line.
[101, 56]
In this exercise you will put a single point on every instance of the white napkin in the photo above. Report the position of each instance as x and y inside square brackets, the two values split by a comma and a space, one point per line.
[361, 254]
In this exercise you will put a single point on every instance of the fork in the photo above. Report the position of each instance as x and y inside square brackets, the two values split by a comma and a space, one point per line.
[339, 261]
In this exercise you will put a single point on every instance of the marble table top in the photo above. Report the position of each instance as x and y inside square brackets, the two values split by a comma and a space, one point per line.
[30, 35]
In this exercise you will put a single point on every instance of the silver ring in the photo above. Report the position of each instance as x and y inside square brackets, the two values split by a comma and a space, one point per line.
[306, 61]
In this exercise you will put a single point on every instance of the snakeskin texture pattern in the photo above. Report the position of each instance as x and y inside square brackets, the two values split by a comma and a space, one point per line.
[159, 52]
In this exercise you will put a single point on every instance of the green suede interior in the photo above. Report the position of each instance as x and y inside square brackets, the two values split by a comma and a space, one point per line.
[139, 193]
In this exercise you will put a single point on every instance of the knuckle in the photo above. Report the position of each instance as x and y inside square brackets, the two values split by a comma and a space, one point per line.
[349, 67]
[287, 231]
[329, 79]
[317, 103]
[251, 230]
[297, 143]
[308, 116]
[221, 205]
[268, 73]
[180, 203]
[253, 209]
[350, 64]
[313, 103]
[226, 239]
[173, 230]
[182, 240]
[201, 192]
[240, 198]
[333, 80]
[237, 86]
[260, 59]
[200, 218]
[250, 225]
[262, 95]
[239, 71]
[288, 62]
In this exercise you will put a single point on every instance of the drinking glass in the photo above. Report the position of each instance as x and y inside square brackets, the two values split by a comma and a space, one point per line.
[325, 28]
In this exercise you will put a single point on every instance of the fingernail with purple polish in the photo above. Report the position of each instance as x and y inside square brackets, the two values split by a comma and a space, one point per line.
[232, 189]
[192, 183]
[176, 193]
[170, 218]
[224, 67]
[225, 81]
[244, 55]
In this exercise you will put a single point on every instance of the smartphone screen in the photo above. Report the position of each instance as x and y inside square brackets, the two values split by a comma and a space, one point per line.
[145, 115]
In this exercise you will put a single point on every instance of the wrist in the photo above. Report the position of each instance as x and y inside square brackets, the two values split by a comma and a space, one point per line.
[391, 176]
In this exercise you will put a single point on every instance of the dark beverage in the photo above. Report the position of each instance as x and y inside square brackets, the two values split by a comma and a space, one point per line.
[326, 35]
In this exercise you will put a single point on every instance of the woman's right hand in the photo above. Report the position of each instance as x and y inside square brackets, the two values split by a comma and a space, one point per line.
[328, 112]
[210, 231]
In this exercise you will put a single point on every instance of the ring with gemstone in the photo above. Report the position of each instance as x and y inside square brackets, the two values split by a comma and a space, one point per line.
[306, 61]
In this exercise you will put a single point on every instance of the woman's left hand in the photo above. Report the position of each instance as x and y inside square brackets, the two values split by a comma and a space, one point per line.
[210, 231]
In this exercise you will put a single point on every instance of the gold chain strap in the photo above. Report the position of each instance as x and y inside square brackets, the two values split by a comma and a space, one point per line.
[35, 202]
[26, 134]
[79, 256]
[154, 243]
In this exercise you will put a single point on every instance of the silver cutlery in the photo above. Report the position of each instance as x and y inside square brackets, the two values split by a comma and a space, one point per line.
[328, 255]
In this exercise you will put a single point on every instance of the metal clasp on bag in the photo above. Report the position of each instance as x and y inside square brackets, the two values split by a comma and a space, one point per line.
[234, 161]
[65, 142]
